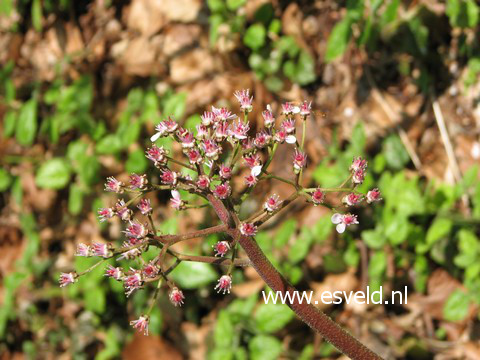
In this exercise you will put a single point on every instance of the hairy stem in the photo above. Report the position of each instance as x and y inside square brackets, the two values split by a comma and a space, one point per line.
[312, 316]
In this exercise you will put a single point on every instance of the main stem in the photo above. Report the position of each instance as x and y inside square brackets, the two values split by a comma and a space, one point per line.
[313, 317]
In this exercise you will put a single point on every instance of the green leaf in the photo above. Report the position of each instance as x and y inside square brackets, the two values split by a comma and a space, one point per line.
[89, 169]
[440, 228]
[255, 36]
[338, 39]
[10, 122]
[175, 105]
[37, 15]
[377, 264]
[27, 123]
[193, 275]
[75, 199]
[136, 162]
[300, 248]
[395, 154]
[216, 5]
[95, 299]
[270, 318]
[110, 144]
[5, 179]
[224, 332]
[235, 4]
[375, 239]
[264, 347]
[53, 174]
[456, 306]
[285, 232]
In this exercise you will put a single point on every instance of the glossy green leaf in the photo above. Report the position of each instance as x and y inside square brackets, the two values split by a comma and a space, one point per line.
[338, 39]
[255, 36]
[53, 174]
[263, 347]
[456, 306]
[193, 275]
[270, 318]
[27, 123]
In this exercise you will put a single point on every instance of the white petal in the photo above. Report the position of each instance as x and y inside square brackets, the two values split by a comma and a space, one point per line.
[341, 228]
[291, 139]
[176, 194]
[295, 109]
[269, 108]
[155, 137]
[337, 218]
[256, 170]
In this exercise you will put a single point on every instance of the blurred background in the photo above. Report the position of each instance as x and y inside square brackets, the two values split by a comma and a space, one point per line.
[82, 85]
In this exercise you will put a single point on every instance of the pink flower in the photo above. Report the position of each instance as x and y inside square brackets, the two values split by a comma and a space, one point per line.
[176, 297]
[150, 270]
[280, 136]
[225, 172]
[306, 108]
[168, 177]
[194, 156]
[343, 220]
[268, 117]
[251, 180]
[102, 250]
[239, 130]
[221, 131]
[144, 206]
[289, 126]
[208, 118]
[358, 176]
[262, 139]
[133, 281]
[123, 211]
[247, 144]
[252, 160]
[373, 195]
[202, 132]
[244, 99]
[105, 213]
[161, 131]
[176, 201]
[222, 191]
[67, 278]
[299, 161]
[83, 250]
[157, 155]
[358, 163]
[273, 203]
[351, 199]
[203, 182]
[114, 272]
[187, 140]
[171, 125]
[221, 248]
[318, 197]
[224, 284]
[211, 149]
[138, 181]
[114, 185]
[289, 109]
[141, 324]
[248, 229]
[136, 230]
[223, 114]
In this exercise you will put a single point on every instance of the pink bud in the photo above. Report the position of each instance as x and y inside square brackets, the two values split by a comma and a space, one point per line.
[224, 284]
[141, 324]
[248, 229]
[221, 248]
[176, 297]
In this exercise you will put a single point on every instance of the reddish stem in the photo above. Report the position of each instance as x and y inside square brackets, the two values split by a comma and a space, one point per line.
[313, 317]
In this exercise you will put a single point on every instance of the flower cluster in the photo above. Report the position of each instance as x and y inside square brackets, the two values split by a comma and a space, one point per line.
[221, 148]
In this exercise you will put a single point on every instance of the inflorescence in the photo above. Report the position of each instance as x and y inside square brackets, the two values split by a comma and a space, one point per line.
[221, 148]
